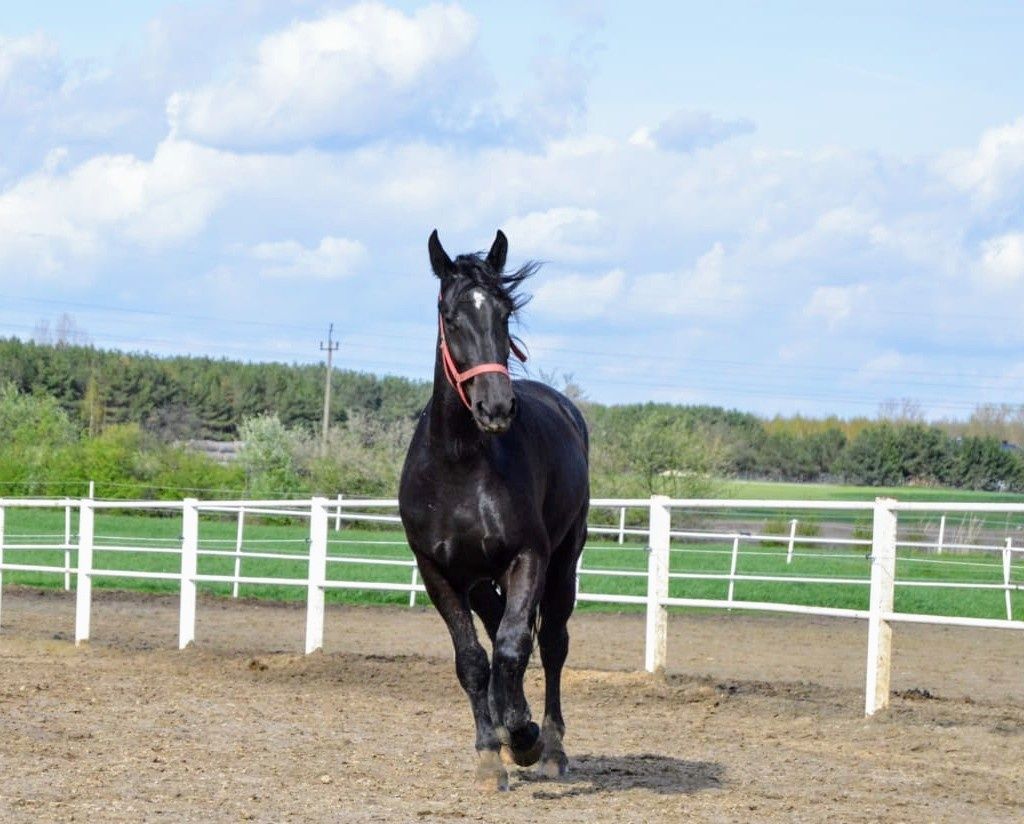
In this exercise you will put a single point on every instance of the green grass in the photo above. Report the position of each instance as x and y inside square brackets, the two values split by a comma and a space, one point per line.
[913, 525]
[697, 556]
[772, 490]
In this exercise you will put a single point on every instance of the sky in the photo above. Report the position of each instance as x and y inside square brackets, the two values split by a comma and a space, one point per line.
[782, 208]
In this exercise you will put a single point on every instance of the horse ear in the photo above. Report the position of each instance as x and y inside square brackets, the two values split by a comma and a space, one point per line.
[499, 251]
[439, 260]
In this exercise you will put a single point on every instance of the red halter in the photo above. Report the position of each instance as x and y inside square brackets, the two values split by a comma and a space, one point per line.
[457, 378]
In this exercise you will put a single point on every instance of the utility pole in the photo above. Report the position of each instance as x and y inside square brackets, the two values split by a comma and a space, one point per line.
[330, 349]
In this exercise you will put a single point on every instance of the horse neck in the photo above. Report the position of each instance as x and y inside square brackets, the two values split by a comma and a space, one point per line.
[451, 424]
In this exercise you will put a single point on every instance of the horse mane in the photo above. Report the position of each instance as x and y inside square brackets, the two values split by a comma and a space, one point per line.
[474, 270]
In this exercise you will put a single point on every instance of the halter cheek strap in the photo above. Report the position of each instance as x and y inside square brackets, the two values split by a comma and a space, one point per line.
[457, 378]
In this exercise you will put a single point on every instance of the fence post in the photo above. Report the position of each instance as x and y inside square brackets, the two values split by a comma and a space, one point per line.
[883, 580]
[1006, 576]
[732, 565]
[67, 546]
[792, 540]
[238, 550]
[942, 533]
[83, 581]
[622, 524]
[579, 566]
[189, 569]
[337, 514]
[317, 575]
[412, 585]
[3, 515]
[656, 641]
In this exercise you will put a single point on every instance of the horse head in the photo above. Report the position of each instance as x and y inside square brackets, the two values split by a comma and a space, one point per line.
[476, 301]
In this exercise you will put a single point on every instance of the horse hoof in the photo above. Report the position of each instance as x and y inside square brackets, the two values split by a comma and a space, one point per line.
[554, 766]
[527, 757]
[491, 776]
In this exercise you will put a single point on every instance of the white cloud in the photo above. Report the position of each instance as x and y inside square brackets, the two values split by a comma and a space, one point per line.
[703, 290]
[835, 304]
[995, 168]
[28, 66]
[347, 75]
[50, 220]
[579, 296]
[564, 233]
[334, 258]
[688, 130]
[1002, 260]
[887, 366]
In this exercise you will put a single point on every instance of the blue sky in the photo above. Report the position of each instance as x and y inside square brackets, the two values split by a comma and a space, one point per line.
[775, 207]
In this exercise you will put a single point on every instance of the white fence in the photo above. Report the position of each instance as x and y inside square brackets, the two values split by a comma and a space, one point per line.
[878, 554]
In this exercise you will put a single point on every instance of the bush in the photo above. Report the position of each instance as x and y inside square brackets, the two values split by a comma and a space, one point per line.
[269, 457]
[363, 457]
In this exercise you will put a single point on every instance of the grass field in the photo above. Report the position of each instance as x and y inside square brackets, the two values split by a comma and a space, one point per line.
[154, 543]
[773, 490]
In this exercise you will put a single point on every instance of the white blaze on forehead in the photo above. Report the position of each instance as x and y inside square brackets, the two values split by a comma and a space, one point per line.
[478, 298]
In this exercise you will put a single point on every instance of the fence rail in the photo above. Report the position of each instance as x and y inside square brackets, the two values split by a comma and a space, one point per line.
[316, 553]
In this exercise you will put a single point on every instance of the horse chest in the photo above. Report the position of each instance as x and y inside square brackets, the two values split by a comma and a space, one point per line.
[483, 538]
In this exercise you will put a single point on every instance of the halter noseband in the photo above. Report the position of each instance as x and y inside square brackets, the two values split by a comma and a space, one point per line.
[457, 378]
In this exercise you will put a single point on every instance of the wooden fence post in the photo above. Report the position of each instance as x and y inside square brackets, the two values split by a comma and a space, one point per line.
[317, 574]
[412, 585]
[3, 515]
[239, 532]
[189, 569]
[83, 580]
[792, 541]
[1006, 577]
[656, 641]
[67, 546]
[732, 566]
[883, 586]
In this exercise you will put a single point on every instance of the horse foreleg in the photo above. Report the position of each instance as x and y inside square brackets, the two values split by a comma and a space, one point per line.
[473, 670]
[513, 643]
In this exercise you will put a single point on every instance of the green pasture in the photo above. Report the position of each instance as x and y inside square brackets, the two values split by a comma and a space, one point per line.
[148, 535]
[777, 490]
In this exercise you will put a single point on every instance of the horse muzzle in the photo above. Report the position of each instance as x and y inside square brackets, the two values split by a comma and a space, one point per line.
[495, 410]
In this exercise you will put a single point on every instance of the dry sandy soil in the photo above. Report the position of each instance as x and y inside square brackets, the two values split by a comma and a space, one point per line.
[759, 719]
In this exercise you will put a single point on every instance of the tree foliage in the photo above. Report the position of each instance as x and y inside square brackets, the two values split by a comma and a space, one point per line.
[70, 413]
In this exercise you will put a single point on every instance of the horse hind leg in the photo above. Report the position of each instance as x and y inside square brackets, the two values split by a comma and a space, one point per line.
[553, 639]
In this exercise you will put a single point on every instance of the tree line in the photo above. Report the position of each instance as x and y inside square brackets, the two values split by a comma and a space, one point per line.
[73, 413]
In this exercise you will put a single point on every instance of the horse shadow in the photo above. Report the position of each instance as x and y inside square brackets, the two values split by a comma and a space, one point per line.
[595, 774]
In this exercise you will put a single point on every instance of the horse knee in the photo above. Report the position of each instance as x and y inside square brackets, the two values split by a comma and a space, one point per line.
[512, 649]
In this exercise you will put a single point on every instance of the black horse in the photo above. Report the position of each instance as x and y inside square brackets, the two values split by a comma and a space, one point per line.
[493, 497]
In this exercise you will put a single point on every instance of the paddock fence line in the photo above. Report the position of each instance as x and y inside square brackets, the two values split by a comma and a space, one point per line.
[657, 543]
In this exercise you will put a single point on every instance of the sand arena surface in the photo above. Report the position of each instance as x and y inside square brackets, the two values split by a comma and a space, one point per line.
[759, 719]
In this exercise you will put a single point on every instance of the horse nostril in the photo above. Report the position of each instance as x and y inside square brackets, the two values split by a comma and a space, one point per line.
[479, 409]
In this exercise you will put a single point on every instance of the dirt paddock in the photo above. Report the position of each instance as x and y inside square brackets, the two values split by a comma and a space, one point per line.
[759, 719]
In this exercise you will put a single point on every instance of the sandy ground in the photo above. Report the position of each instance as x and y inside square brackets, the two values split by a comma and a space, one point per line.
[759, 719]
